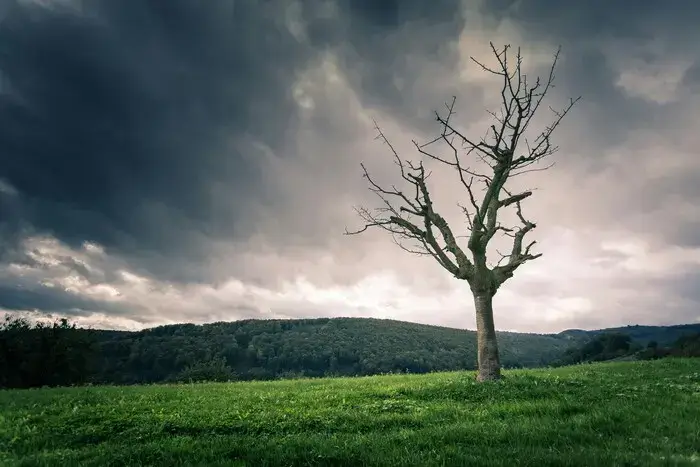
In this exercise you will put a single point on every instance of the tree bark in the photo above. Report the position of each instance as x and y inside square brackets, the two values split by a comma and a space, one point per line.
[489, 361]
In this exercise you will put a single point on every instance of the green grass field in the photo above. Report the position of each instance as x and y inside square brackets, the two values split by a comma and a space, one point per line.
[639, 413]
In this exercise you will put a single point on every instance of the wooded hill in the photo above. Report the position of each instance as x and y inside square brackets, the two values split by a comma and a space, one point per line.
[262, 349]
[642, 335]
[638, 343]
[266, 349]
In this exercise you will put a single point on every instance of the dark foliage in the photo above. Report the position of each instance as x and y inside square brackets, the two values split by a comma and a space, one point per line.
[215, 369]
[620, 346]
[267, 349]
[259, 349]
[687, 345]
[58, 354]
[605, 346]
[664, 336]
[55, 354]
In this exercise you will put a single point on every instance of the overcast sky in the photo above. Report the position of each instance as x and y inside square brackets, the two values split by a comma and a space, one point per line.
[190, 161]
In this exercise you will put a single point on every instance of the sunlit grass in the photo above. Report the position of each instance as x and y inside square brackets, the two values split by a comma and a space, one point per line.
[638, 413]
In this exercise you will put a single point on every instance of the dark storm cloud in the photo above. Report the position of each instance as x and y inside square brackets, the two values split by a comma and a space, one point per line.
[120, 124]
[583, 20]
[691, 78]
[597, 37]
[392, 44]
[676, 196]
[168, 132]
[56, 300]
[128, 123]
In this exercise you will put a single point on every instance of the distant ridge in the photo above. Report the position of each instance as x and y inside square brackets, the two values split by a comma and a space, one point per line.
[662, 335]
[271, 348]
[277, 348]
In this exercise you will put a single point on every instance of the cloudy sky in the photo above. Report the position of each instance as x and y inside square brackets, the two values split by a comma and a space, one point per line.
[188, 161]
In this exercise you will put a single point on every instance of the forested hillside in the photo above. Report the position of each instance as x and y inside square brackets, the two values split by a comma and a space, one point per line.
[261, 349]
[643, 335]
[613, 344]
[265, 349]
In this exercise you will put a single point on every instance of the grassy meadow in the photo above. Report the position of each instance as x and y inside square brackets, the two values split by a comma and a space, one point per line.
[627, 413]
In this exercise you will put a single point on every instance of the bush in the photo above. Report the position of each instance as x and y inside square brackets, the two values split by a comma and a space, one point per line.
[215, 369]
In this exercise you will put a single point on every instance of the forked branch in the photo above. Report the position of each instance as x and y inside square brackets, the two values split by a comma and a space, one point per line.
[413, 218]
[410, 216]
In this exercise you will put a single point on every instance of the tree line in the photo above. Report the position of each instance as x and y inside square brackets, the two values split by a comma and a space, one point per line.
[44, 354]
[608, 346]
[60, 354]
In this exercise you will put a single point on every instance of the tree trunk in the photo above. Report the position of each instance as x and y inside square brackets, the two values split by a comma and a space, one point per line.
[488, 359]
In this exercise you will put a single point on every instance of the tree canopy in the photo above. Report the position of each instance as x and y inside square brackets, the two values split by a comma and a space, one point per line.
[59, 354]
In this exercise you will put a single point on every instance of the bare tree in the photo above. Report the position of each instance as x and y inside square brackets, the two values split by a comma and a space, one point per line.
[504, 152]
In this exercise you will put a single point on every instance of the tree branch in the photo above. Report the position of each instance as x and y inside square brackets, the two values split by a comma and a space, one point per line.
[395, 217]
[517, 256]
[410, 215]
